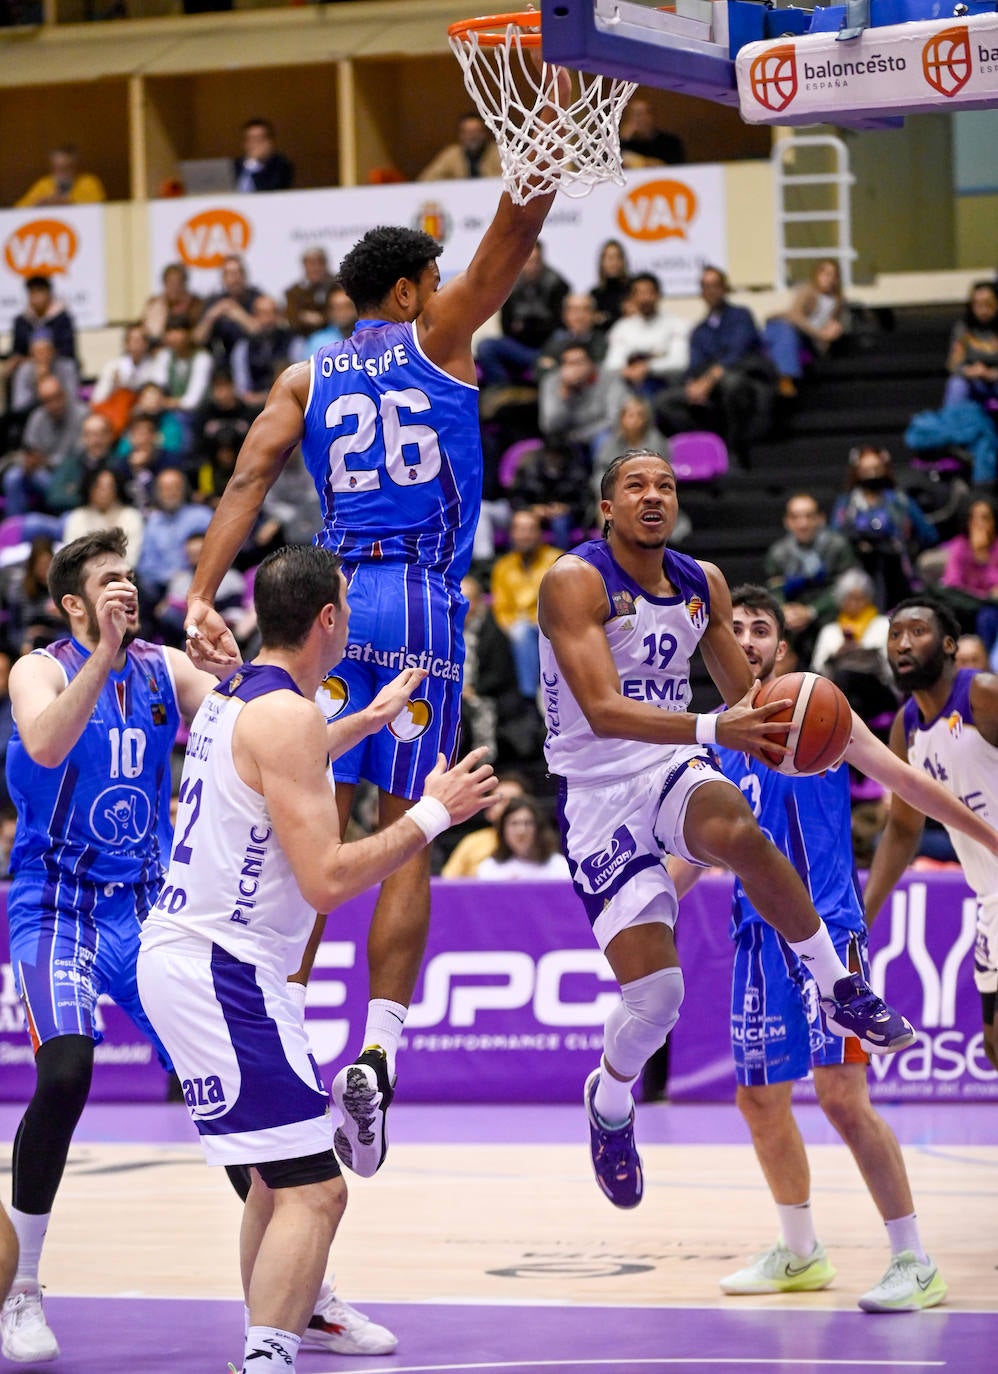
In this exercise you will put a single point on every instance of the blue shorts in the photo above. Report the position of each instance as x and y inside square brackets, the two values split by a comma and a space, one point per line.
[400, 617]
[778, 1030]
[71, 944]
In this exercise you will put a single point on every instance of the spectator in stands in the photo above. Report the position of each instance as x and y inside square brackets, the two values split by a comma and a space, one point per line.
[578, 401]
[529, 318]
[183, 372]
[262, 167]
[971, 653]
[527, 849]
[53, 427]
[642, 142]
[489, 691]
[105, 507]
[175, 302]
[173, 519]
[44, 310]
[140, 455]
[480, 844]
[170, 614]
[473, 155]
[173, 437]
[341, 316]
[816, 318]
[262, 355]
[969, 582]
[95, 450]
[223, 410]
[857, 623]
[32, 618]
[578, 326]
[552, 482]
[64, 184]
[884, 525]
[217, 464]
[729, 383]
[227, 316]
[647, 347]
[42, 361]
[128, 373]
[633, 427]
[613, 283]
[305, 301]
[802, 567]
[516, 580]
[973, 352]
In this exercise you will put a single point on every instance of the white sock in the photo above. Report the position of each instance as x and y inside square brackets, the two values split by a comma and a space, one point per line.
[384, 1028]
[903, 1234]
[797, 1226]
[612, 1099]
[818, 955]
[30, 1236]
[270, 1344]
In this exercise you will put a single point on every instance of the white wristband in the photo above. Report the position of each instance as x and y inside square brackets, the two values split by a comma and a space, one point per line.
[297, 991]
[431, 816]
[707, 729]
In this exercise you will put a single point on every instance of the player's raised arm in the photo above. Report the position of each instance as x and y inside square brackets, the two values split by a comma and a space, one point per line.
[899, 842]
[266, 448]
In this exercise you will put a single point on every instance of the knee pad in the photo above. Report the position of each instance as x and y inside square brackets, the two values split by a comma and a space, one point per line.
[640, 1025]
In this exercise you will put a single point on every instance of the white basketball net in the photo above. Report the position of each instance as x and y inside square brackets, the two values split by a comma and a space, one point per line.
[577, 149]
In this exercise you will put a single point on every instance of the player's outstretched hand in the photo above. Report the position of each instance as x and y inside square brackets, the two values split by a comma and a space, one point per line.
[465, 788]
[752, 729]
[393, 698]
[210, 644]
[117, 611]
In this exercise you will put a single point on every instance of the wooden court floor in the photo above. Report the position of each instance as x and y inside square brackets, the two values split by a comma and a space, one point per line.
[518, 1223]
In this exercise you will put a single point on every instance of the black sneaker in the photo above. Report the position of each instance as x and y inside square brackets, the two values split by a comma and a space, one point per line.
[363, 1094]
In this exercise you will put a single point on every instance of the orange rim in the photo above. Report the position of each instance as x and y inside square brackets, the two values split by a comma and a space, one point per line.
[527, 21]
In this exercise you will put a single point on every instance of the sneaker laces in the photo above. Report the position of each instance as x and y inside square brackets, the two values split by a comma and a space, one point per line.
[25, 1308]
[617, 1151]
[900, 1275]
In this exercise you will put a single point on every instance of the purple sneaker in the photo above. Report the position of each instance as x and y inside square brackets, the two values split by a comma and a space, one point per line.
[855, 1009]
[616, 1162]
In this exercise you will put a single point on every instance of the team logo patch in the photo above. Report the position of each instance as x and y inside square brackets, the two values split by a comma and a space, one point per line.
[158, 713]
[333, 696]
[695, 607]
[623, 603]
[120, 816]
[412, 721]
[954, 724]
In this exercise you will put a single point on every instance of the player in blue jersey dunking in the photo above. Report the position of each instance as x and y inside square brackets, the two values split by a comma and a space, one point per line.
[949, 728]
[777, 1027]
[388, 423]
[620, 619]
[88, 768]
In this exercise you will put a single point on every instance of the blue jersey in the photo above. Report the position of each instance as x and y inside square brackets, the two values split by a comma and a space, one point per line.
[393, 446]
[808, 819]
[103, 814]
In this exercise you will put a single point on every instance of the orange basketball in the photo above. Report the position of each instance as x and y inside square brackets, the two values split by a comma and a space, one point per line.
[820, 722]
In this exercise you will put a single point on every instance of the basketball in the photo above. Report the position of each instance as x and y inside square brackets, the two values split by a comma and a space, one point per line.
[820, 719]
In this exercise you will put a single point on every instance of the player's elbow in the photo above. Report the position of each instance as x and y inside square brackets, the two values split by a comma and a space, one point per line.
[43, 751]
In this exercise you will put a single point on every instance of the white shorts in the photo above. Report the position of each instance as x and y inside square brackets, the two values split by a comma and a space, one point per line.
[617, 836]
[238, 1043]
[986, 945]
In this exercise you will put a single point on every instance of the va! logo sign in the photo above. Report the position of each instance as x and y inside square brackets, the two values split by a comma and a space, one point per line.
[661, 209]
[946, 61]
[773, 77]
[41, 247]
[208, 238]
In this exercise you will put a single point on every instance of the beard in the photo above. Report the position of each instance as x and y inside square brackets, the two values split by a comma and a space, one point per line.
[93, 628]
[919, 677]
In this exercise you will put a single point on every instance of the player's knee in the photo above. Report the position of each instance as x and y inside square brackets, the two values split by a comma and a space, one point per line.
[64, 1066]
[759, 1106]
[640, 1025]
[737, 841]
[842, 1102]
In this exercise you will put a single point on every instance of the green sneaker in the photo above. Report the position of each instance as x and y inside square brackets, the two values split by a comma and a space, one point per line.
[781, 1271]
[906, 1287]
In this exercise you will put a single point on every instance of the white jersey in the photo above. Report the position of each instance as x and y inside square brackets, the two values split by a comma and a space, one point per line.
[652, 640]
[229, 882]
[951, 750]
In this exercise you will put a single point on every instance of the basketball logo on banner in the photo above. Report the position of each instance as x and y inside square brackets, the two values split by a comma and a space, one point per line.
[773, 77]
[208, 238]
[946, 61]
[41, 247]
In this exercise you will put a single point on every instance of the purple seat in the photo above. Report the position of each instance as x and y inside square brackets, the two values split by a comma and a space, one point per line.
[513, 457]
[698, 456]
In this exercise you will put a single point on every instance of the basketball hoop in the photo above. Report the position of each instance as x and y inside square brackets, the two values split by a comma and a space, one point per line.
[576, 145]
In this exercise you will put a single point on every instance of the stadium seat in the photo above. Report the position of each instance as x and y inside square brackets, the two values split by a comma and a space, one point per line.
[698, 456]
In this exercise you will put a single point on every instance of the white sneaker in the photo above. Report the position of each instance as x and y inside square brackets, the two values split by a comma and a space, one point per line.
[26, 1336]
[906, 1287]
[340, 1328]
[781, 1271]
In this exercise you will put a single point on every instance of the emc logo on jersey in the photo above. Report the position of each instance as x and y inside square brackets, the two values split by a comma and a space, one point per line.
[204, 1096]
